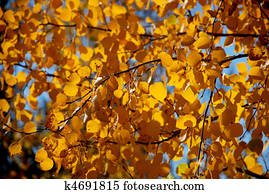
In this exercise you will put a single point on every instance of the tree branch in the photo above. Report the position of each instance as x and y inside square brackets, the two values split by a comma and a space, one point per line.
[202, 130]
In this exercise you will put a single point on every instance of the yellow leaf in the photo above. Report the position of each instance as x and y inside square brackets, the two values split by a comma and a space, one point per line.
[46, 164]
[189, 95]
[21, 78]
[10, 79]
[73, 4]
[172, 19]
[125, 98]
[159, 2]
[29, 127]
[144, 87]
[71, 89]
[15, 148]
[9, 16]
[72, 138]
[118, 10]
[181, 168]
[74, 78]
[94, 126]
[242, 68]
[255, 54]
[61, 99]
[250, 161]
[41, 155]
[76, 123]
[158, 91]
[85, 53]
[194, 58]
[118, 93]
[256, 73]
[186, 121]
[93, 3]
[64, 14]
[203, 42]
[4, 106]
[168, 62]
[258, 169]
[37, 8]
[84, 71]
[158, 116]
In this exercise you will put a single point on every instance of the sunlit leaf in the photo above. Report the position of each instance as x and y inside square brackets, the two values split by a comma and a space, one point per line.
[41, 155]
[158, 91]
[4, 106]
[194, 58]
[85, 53]
[15, 148]
[181, 168]
[70, 89]
[46, 164]
[94, 126]
[29, 127]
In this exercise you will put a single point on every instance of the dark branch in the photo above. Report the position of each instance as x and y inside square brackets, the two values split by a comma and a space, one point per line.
[202, 130]
[233, 58]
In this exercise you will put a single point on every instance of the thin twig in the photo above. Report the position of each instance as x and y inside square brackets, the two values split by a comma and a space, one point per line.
[202, 130]
[247, 129]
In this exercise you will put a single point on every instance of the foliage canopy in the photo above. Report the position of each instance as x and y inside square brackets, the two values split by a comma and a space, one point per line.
[120, 89]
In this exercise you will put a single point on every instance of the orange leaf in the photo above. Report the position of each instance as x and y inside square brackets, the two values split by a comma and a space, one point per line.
[4, 106]
[41, 155]
[256, 73]
[15, 148]
[29, 127]
[194, 58]
[46, 164]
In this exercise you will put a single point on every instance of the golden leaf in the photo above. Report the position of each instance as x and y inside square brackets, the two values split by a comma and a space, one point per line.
[73, 4]
[203, 42]
[189, 95]
[181, 168]
[186, 121]
[256, 73]
[29, 127]
[15, 148]
[159, 2]
[158, 91]
[85, 53]
[118, 10]
[84, 71]
[194, 58]
[41, 155]
[4, 106]
[93, 126]
[70, 89]
[46, 164]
